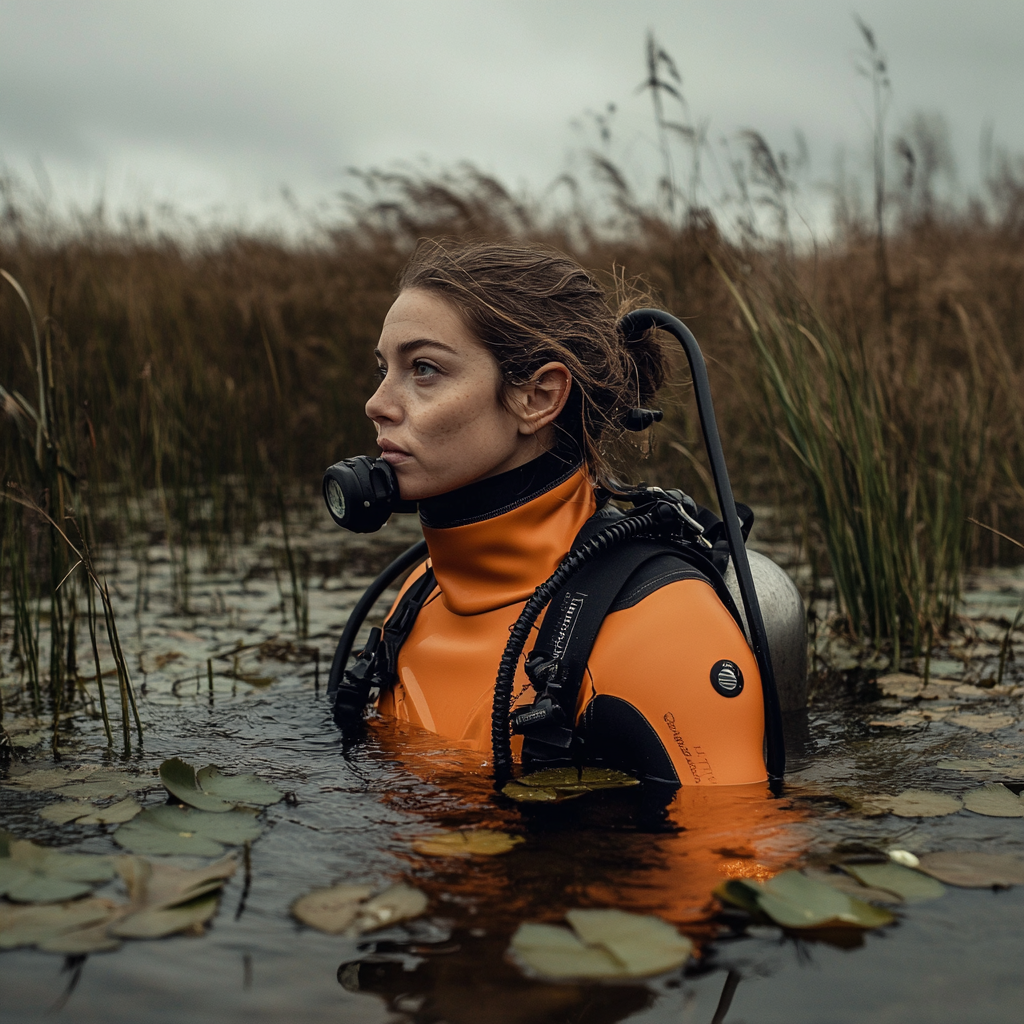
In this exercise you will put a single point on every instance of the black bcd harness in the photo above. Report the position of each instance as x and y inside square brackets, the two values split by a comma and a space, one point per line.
[557, 664]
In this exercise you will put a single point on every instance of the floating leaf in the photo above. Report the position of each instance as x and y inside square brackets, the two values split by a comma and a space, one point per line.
[644, 945]
[34, 874]
[909, 885]
[851, 887]
[914, 803]
[95, 939]
[47, 778]
[1008, 768]
[579, 778]
[793, 900]
[171, 830]
[154, 885]
[554, 784]
[85, 813]
[397, 903]
[535, 794]
[155, 924]
[179, 780]
[238, 789]
[994, 800]
[974, 870]
[604, 944]
[342, 908]
[483, 842]
[331, 910]
[899, 684]
[32, 925]
[66, 810]
[983, 723]
[556, 953]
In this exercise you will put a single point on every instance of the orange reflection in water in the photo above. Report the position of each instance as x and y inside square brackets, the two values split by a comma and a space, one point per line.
[599, 850]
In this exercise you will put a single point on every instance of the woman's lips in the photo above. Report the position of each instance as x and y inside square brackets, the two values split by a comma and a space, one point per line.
[392, 454]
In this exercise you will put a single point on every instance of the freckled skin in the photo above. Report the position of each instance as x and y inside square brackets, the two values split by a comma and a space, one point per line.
[440, 420]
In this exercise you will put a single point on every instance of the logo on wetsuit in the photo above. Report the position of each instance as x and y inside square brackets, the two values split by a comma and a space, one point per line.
[727, 678]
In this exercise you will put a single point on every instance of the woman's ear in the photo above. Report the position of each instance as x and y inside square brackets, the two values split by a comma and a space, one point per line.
[540, 401]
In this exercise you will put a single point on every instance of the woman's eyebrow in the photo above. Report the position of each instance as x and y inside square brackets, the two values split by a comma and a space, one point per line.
[405, 347]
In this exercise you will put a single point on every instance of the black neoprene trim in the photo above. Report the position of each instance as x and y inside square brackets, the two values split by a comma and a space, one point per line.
[615, 734]
[499, 494]
[653, 576]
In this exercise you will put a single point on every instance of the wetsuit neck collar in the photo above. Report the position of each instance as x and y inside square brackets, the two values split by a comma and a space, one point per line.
[496, 546]
[497, 495]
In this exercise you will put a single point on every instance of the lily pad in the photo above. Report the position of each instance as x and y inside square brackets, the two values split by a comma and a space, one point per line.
[66, 810]
[793, 900]
[535, 794]
[849, 885]
[85, 813]
[906, 883]
[40, 925]
[34, 874]
[155, 924]
[180, 780]
[238, 789]
[974, 870]
[345, 908]
[914, 803]
[603, 944]
[554, 784]
[994, 800]
[153, 885]
[95, 939]
[983, 723]
[331, 910]
[394, 904]
[556, 953]
[643, 944]
[174, 830]
[484, 842]
[1008, 768]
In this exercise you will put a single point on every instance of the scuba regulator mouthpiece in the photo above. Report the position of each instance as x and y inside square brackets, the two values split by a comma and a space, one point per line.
[361, 493]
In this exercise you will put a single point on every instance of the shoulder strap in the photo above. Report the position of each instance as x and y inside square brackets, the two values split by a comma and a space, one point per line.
[377, 663]
[558, 663]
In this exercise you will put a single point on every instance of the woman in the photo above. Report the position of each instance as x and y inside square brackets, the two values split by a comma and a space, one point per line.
[503, 383]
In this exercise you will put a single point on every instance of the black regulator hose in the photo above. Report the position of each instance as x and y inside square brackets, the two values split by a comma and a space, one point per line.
[635, 325]
[621, 530]
[406, 560]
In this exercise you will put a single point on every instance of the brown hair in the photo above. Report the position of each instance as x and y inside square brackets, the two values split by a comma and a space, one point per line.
[530, 305]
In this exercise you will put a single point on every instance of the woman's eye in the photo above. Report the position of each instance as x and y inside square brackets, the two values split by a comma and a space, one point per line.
[424, 369]
[382, 372]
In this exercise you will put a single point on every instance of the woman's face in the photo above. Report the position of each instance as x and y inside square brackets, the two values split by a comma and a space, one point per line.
[440, 421]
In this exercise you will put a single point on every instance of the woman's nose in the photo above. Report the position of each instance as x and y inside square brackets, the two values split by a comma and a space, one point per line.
[381, 406]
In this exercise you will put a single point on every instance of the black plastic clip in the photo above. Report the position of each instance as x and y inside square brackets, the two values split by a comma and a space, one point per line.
[640, 419]
[354, 689]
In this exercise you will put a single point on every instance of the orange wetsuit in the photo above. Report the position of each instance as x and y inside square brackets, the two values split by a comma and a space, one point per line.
[647, 702]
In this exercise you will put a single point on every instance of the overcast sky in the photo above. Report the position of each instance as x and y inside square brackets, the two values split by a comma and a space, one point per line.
[214, 105]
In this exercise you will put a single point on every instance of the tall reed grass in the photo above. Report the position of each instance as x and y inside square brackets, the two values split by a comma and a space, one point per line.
[222, 375]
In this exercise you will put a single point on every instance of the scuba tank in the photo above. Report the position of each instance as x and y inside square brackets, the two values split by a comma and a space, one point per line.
[361, 493]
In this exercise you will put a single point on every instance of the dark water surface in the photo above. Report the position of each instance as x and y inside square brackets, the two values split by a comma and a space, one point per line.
[354, 812]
